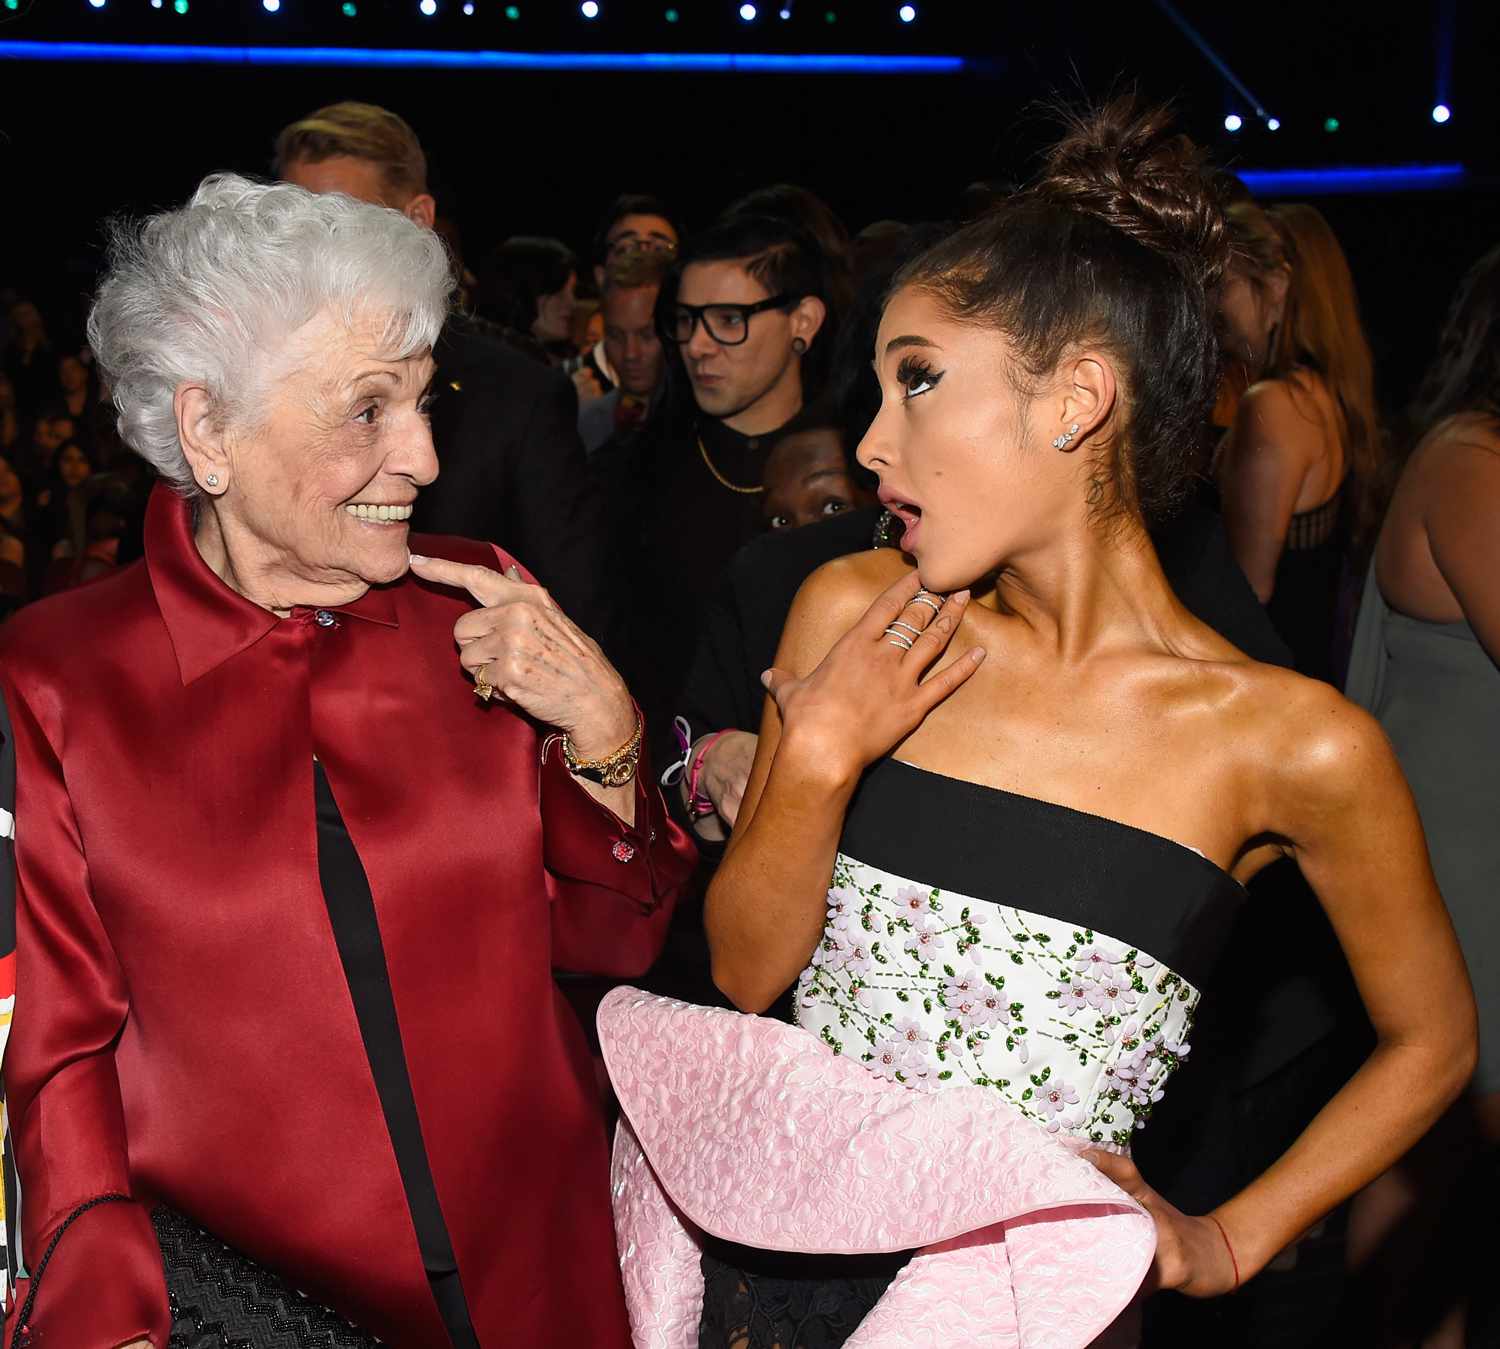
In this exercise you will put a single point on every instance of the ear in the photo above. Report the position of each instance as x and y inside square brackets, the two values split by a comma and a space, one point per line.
[1089, 392]
[422, 210]
[202, 437]
[808, 317]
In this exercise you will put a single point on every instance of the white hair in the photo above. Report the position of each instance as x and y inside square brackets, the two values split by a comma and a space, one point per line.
[208, 293]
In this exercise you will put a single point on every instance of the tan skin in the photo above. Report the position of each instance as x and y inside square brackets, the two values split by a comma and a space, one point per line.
[1097, 690]
[1284, 454]
[755, 386]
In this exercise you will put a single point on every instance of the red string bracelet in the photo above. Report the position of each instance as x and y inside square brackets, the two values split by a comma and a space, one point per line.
[1235, 1264]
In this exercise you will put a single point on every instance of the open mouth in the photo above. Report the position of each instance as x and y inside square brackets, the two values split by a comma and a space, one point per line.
[909, 515]
[373, 513]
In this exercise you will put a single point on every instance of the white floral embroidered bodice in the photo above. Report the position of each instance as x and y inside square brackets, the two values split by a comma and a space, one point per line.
[932, 983]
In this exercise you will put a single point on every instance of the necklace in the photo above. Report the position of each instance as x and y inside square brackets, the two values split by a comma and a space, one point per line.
[722, 480]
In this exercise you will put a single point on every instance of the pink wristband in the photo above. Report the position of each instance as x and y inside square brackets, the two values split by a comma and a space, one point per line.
[701, 805]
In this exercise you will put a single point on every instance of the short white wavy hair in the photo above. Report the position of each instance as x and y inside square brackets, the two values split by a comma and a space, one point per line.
[208, 293]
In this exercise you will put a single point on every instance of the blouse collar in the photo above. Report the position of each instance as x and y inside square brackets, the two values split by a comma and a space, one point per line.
[207, 621]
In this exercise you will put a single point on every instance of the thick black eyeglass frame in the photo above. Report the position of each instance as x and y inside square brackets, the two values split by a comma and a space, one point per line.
[698, 313]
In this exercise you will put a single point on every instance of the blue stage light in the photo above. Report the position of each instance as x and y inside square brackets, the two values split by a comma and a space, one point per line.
[1441, 113]
[1273, 124]
[1345, 179]
[428, 7]
[387, 58]
[1233, 122]
[747, 13]
[907, 13]
[589, 9]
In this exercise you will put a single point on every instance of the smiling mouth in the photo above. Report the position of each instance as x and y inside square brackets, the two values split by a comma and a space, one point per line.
[376, 514]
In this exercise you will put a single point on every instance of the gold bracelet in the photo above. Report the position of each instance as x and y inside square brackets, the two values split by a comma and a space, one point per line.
[613, 770]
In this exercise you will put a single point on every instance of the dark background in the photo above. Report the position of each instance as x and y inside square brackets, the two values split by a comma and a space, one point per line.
[543, 152]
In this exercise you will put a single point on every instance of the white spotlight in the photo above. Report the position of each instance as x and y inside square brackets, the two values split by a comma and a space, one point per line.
[96, 4]
[1233, 122]
[589, 9]
[907, 13]
[1273, 124]
[271, 6]
[785, 12]
[428, 7]
[1441, 113]
[468, 9]
[747, 13]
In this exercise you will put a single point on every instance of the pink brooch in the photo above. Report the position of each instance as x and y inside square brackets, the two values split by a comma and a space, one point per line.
[623, 851]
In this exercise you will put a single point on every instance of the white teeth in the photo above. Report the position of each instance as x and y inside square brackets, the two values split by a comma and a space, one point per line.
[361, 510]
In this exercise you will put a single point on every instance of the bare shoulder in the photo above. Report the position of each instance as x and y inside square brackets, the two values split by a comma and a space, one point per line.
[1460, 451]
[832, 600]
[1312, 752]
[1279, 411]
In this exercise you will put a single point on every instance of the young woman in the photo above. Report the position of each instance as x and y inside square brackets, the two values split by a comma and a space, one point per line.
[1038, 798]
[1426, 663]
[1301, 463]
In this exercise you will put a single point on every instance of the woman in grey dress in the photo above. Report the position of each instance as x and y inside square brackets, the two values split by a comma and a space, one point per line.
[1426, 663]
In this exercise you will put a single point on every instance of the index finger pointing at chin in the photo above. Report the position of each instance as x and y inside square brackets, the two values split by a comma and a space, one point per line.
[487, 586]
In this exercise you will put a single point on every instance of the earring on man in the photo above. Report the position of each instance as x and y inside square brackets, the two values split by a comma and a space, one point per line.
[799, 345]
[1061, 443]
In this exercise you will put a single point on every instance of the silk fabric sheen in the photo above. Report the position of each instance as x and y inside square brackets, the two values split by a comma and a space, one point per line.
[190, 1036]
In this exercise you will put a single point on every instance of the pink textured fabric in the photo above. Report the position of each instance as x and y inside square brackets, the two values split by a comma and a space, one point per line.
[755, 1132]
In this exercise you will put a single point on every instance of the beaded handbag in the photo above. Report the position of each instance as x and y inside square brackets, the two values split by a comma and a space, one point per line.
[222, 1300]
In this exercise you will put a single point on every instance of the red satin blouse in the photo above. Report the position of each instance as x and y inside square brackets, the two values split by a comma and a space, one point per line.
[188, 1034]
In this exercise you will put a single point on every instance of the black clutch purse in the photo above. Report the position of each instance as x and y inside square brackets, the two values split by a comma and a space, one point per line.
[219, 1298]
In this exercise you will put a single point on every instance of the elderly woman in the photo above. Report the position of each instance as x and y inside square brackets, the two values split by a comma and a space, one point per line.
[290, 894]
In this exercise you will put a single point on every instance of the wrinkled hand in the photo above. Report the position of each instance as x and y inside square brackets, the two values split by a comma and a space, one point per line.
[536, 657]
[868, 693]
[725, 770]
[1191, 1255]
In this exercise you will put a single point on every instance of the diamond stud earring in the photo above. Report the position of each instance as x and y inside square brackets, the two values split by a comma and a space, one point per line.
[212, 480]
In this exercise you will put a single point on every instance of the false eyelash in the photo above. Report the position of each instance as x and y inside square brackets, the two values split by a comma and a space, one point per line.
[913, 371]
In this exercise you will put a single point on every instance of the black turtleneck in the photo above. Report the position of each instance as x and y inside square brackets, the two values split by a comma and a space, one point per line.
[691, 524]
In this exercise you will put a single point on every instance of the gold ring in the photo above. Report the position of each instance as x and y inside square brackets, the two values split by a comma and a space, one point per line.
[483, 689]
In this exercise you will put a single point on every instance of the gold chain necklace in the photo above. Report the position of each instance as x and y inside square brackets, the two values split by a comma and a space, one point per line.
[723, 481]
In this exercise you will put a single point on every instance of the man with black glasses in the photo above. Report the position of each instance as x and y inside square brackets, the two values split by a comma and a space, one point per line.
[749, 323]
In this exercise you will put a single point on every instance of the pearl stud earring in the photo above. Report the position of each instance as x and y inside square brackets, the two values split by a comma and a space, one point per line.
[212, 480]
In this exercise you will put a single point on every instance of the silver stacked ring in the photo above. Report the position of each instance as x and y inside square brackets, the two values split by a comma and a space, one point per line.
[926, 597]
[899, 638]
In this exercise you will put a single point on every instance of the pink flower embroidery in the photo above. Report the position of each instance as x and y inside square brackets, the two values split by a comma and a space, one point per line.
[1097, 962]
[1051, 1099]
[913, 902]
[1112, 994]
[1075, 996]
[926, 941]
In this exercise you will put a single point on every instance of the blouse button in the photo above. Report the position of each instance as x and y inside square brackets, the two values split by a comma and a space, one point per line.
[324, 619]
[623, 851]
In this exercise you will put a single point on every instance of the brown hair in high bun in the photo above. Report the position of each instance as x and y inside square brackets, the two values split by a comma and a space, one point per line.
[1119, 242]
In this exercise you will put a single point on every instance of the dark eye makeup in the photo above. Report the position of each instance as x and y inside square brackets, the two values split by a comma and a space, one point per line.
[916, 376]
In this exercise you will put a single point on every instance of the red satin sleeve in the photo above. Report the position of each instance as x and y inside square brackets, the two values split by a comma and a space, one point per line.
[612, 885]
[104, 1284]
